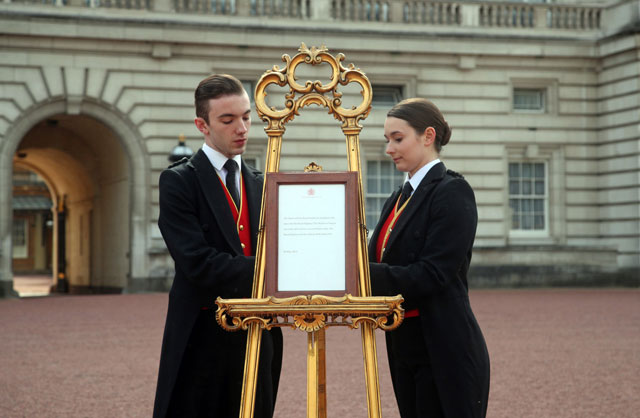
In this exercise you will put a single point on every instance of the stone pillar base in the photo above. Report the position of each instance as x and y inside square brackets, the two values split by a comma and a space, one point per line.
[6, 289]
[149, 284]
[517, 276]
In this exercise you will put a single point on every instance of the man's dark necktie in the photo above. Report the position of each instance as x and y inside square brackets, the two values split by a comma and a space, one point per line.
[406, 192]
[232, 169]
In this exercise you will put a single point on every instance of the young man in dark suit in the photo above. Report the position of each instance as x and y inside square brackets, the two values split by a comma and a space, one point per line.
[209, 214]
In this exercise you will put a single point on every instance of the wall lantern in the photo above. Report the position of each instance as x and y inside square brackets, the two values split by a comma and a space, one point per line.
[180, 151]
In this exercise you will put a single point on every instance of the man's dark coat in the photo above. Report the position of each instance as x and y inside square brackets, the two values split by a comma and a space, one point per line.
[426, 260]
[199, 230]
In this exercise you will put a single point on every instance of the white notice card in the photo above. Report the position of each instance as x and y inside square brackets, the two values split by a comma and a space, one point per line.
[311, 237]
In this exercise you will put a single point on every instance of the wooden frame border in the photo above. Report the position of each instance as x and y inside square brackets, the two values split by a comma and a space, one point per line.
[273, 181]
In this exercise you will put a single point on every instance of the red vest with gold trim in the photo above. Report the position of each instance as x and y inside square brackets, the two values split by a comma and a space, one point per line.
[387, 227]
[241, 217]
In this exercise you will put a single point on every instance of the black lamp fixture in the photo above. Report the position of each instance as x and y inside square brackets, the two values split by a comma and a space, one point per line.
[180, 151]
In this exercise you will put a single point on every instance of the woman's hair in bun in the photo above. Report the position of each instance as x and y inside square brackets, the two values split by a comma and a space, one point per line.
[421, 113]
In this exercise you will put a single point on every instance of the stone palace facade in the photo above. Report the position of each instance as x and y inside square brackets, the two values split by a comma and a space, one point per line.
[543, 99]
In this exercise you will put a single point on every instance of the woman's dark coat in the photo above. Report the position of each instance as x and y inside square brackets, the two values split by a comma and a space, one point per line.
[426, 260]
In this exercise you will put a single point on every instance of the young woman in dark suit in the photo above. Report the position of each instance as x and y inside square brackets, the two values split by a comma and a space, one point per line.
[421, 248]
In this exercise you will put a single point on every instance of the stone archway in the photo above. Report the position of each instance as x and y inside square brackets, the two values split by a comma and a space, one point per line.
[96, 165]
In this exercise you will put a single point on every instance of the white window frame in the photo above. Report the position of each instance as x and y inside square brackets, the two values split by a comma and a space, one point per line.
[250, 87]
[20, 251]
[556, 225]
[529, 233]
[546, 86]
[542, 98]
[397, 90]
[252, 160]
[396, 180]
[256, 151]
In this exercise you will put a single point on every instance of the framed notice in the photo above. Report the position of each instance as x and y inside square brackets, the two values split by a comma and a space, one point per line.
[311, 230]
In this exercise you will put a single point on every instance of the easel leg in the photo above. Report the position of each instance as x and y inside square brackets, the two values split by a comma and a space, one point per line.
[371, 370]
[316, 375]
[322, 374]
[252, 357]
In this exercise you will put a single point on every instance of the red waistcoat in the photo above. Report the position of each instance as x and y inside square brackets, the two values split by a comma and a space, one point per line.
[241, 217]
[387, 227]
[383, 237]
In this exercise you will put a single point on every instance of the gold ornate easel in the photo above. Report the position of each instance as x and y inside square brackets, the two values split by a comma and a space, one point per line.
[312, 313]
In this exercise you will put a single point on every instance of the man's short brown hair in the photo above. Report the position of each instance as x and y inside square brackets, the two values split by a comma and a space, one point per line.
[212, 87]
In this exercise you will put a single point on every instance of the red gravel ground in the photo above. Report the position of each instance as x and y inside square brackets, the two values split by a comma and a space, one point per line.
[554, 353]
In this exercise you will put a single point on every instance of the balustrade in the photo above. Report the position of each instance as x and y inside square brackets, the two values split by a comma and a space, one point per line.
[365, 10]
[431, 12]
[443, 13]
[573, 18]
[284, 8]
[521, 16]
[268, 8]
[112, 4]
[121, 4]
[52, 2]
[220, 7]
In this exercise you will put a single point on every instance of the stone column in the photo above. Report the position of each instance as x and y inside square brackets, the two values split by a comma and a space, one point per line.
[321, 9]
[162, 6]
[6, 276]
[540, 17]
[470, 14]
[243, 7]
[397, 12]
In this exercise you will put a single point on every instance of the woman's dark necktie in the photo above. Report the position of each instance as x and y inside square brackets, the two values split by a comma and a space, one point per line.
[405, 194]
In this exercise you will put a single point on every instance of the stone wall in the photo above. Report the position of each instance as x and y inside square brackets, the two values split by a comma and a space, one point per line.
[136, 72]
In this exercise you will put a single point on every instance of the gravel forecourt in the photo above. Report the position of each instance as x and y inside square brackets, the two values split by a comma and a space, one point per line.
[555, 353]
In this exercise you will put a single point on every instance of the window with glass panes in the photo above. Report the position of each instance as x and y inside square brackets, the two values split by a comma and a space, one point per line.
[250, 89]
[382, 179]
[19, 238]
[253, 162]
[528, 196]
[531, 100]
[386, 95]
